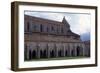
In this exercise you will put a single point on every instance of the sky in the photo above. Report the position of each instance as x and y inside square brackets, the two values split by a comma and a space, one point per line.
[79, 23]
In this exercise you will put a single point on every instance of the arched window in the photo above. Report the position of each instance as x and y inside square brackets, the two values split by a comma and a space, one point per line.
[41, 28]
[28, 26]
[57, 30]
[47, 29]
[34, 27]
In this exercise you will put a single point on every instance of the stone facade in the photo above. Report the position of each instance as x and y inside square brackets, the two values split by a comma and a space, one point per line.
[50, 39]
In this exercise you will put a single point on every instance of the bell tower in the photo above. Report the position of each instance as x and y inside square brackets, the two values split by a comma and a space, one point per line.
[64, 21]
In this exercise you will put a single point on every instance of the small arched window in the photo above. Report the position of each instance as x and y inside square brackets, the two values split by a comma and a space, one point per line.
[41, 28]
[35, 27]
[62, 30]
[47, 29]
[28, 26]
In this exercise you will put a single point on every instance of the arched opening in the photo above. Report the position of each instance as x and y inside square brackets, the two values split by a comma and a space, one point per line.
[47, 29]
[41, 28]
[59, 53]
[33, 54]
[52, 53]
[72, 53]
[44, 54]
[66, 53]
[41, 54]
[78, 50]
[30, 55]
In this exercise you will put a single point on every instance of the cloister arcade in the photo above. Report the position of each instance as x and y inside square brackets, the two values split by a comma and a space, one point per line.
[39, 50]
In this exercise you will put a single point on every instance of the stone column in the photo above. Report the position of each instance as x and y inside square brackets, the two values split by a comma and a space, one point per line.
[75, 49]
[72, 49]
[55, 49]
[28, 49]
[69, 49]
[48, 51]
[57, 52]
[27, 54]
[64, 50]
[83, 49]
[38, 51]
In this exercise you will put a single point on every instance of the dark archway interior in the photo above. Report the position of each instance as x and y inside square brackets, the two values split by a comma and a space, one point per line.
[42, 53]
[66, 53]
[78, 51]
[33, 54]
[59, 53]
[72, 53]
[52, 54]
[30, 54]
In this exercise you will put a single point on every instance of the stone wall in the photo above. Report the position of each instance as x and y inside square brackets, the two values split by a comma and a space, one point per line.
[54, 38]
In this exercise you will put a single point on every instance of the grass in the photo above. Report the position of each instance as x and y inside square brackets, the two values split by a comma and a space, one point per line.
[60, 58]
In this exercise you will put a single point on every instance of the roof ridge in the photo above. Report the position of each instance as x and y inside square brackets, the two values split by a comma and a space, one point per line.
[45, 19]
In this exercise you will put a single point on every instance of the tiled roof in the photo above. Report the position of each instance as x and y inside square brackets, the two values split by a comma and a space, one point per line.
[43, 20]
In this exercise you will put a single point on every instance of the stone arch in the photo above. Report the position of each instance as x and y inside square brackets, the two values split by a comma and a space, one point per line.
[43, 53]
[52, 53]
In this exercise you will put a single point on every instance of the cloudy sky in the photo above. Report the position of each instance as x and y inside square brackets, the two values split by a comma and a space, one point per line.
[79, 23]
